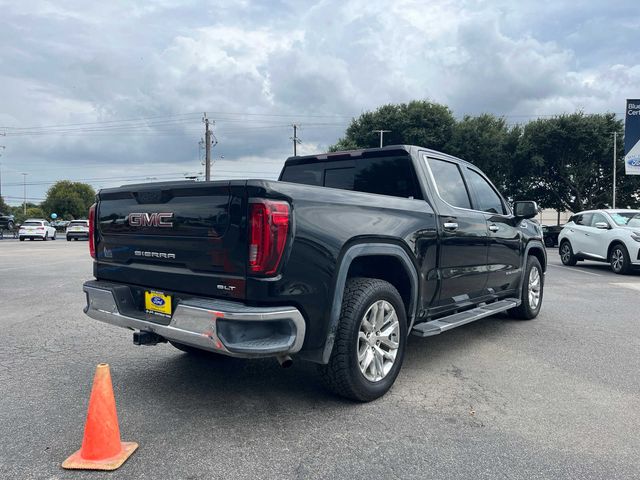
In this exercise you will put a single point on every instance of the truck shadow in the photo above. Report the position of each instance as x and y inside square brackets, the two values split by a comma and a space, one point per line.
[203, 383]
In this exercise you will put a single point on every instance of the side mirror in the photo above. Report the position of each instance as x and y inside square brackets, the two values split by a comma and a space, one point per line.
[525, 209]
[602, 225]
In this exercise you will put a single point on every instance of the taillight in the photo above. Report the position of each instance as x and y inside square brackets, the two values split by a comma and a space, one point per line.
[268, 228]
[92, 230]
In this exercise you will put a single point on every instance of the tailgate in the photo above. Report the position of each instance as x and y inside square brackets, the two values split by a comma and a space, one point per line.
[181, 237]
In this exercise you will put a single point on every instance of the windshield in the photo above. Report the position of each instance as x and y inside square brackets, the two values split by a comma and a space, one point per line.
[627, 219]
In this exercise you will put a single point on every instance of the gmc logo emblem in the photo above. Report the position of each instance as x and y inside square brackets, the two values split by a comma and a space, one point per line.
[150, 220]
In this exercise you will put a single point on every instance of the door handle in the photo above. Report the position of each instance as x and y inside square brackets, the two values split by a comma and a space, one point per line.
[450, 225]
[494, 228]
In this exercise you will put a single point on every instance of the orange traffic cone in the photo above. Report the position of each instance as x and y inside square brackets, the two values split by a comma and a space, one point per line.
[101, 446]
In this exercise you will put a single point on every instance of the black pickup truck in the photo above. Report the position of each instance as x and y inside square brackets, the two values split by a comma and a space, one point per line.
[336, 263]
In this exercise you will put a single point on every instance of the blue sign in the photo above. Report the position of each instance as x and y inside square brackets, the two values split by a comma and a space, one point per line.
[632, 138]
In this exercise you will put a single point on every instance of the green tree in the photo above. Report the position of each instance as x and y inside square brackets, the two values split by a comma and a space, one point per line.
[564, 162]
[69, 199]
[418, 122]
[489, 143]
[4, 208]
[35, 212]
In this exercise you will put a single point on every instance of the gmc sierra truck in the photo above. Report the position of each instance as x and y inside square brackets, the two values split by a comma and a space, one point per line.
[335, 263]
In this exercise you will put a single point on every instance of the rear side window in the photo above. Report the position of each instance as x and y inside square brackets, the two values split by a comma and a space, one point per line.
[449, 182]
[583, 219]
[487, 198]
[393, 176]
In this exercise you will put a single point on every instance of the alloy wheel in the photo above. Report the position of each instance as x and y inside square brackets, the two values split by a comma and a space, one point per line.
[617, 260]
[378, 340]
[565, 254]
[535, 286]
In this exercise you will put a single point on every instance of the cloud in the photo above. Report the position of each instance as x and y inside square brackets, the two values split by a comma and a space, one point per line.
[256, 67]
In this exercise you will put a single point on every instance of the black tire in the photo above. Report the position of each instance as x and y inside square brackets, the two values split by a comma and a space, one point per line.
[46, 237]
[68, 239]
[566, 254]
[549, 242]
[54, 237]
[10, 226]
[623, 264]
[342, 375]
[22, 239]
[526, 311]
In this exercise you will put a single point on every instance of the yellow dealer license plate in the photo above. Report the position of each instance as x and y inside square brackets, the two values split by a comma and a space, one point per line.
[157, 303]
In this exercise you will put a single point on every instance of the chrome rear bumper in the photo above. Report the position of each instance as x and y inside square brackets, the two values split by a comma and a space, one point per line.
[219, 326]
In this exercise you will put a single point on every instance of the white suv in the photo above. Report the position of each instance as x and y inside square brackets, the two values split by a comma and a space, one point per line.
[36, 228]
[77, 229]
[602, 235]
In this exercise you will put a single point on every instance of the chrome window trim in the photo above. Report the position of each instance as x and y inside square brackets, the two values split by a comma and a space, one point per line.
[426, 157]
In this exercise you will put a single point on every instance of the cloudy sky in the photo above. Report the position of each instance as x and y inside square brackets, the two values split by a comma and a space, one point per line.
[115, 90]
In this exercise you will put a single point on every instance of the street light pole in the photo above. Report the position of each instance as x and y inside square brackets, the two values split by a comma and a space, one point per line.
[24, 186]
[615, 154]
[381, 133]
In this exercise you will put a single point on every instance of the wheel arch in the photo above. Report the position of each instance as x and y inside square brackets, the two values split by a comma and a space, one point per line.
[539, 252]
[370, 260]
[613, 243]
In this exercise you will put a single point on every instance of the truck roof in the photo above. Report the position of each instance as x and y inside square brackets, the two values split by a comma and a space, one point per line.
[373, 152]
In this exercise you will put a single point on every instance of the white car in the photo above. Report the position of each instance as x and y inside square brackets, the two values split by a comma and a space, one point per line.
[36, 228]
[611, 236]
[77, 229]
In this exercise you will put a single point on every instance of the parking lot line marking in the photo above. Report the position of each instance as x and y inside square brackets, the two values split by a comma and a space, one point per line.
[576, 270]
[632, 286]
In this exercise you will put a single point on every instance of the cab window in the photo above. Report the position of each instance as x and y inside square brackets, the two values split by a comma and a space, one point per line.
[449, 183]
[487, 198]
[598, 218]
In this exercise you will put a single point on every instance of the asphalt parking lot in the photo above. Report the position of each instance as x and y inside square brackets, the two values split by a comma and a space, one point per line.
[556, 397]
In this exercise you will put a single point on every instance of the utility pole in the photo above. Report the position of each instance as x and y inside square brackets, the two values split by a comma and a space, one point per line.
[615, 154]
[2, 147]
[295, 139]
[24, 186]
[381, 133]
[207, 148]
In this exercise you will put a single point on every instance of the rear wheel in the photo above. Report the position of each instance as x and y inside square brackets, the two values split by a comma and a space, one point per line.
[370, 341]
[532, 290]
[566, 254]
[22, 239]
[46, 237]
[619, 259]
[548, 242]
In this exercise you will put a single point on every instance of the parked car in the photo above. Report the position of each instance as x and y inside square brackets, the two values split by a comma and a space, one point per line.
[550, 234]
[336, 263]
[36, 228]
[611, 236]
[77, 229]
[7, 221]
